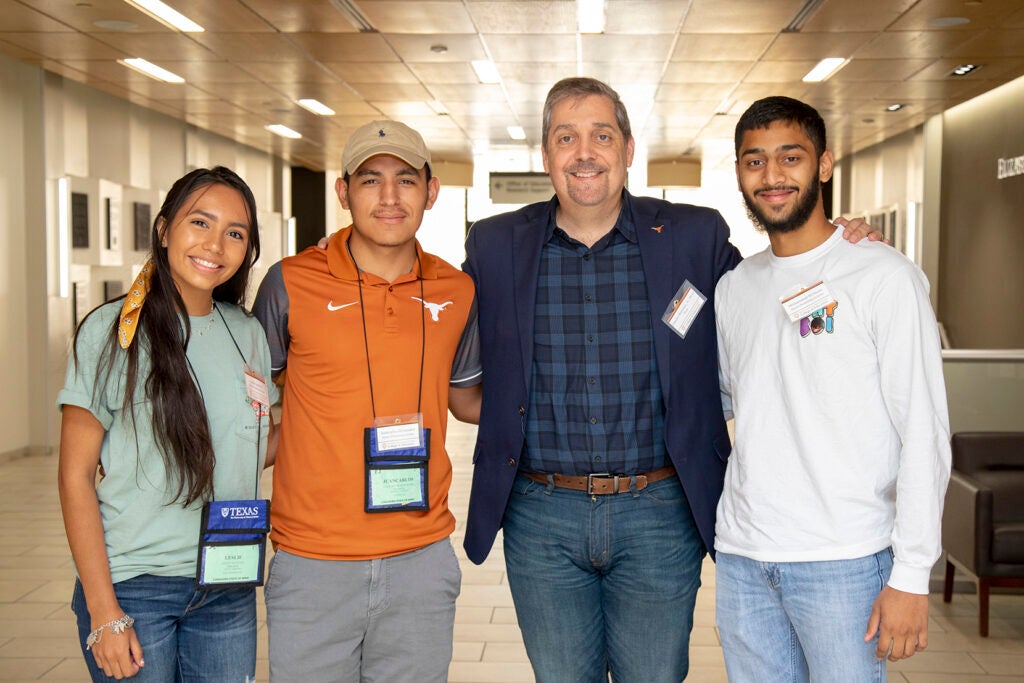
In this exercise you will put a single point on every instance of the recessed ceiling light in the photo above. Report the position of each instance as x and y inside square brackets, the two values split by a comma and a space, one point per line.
[947, 22]
[964, 69]
[486, 71]
[590, 16]
[825, 69]
[151, 70]
[316, 106]
[516, 132]
[283, 131]
[167, 15]
[894, 107]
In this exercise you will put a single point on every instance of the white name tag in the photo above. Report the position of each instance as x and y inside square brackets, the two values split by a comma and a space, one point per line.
[806, 300]
[398, 436]
[256, 387]
[683, 309]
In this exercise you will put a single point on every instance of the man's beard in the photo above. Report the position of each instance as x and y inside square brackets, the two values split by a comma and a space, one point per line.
[806, 201]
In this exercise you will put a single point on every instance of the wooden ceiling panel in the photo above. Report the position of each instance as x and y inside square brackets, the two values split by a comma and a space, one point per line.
[538, 48]
[454, 73]
[993, 43]
[628, 48]
[457, 92]
[674, 63]
[156, 47]
[392, 92]
[986, 14]
[880, 69]
[706, 72]
[540, 73]
[864, 15]
[912, 45]
[416, 48]
[692, 92]
[712, 47]
[373, 72]
[280, 72]
[222, 16]
[345, 47]
[81, 16]
[243, 47]
[524, 17]
[801, 46]
[423, 16]
[18, 18]
[739, 16]
[779, 72]
[643, 17]
[298, 16]
[63, 45]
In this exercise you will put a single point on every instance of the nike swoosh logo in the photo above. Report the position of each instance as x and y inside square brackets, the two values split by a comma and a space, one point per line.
[332, 307]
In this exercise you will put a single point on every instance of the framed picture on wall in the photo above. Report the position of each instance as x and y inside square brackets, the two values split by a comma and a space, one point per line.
[79, 220]
[112, 289]
[141, 226]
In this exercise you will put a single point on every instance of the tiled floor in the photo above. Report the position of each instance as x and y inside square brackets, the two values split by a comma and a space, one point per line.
[37, 635]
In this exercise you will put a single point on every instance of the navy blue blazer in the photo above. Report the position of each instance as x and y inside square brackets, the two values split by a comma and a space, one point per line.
[677, 242]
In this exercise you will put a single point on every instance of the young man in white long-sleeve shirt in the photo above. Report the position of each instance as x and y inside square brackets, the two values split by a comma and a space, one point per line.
[830, 519]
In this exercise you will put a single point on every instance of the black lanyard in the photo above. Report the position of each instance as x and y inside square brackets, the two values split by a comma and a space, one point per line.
[366, 342]
[259, 413]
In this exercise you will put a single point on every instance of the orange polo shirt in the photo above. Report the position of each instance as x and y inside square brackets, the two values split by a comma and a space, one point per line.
[318, 500]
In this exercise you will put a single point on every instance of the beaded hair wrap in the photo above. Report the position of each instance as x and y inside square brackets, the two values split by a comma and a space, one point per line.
[131, 309]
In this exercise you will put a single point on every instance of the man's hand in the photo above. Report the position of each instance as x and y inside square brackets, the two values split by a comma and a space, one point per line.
[901, 622]
[322, 243]
[856, 229]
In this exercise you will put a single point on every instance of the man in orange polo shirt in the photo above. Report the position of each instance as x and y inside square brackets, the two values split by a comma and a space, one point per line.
[378, 338]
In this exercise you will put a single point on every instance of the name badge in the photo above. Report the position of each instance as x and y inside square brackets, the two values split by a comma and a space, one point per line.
[399, 432]
[683, 309]
[256, 387]
[397, 478]
[806, 300]
[233, 543]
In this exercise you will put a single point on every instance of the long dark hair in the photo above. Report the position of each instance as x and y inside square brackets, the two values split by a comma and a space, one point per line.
[180, 425]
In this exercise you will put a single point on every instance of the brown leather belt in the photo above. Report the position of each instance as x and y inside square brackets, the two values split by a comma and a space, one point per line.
[604, 484]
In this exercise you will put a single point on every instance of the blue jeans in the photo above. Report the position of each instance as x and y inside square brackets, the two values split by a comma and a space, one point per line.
[187, 636]
[797, 621]
[605, 583]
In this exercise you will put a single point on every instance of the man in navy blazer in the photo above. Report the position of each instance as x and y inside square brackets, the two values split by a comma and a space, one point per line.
[602, 444]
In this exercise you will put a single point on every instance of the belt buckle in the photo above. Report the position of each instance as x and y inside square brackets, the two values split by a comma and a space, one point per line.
[602, 475]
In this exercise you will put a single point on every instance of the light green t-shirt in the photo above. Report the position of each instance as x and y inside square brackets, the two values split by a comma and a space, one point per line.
[146, 532]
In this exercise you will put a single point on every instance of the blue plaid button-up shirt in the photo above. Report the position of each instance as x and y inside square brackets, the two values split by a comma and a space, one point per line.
[595, 401]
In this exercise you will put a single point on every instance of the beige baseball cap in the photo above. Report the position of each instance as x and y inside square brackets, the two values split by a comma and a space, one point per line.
[384, 137]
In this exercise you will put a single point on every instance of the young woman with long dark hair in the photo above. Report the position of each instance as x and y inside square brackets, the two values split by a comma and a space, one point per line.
[165, 400]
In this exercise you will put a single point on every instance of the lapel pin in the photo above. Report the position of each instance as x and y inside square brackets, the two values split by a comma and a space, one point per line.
[657, 228]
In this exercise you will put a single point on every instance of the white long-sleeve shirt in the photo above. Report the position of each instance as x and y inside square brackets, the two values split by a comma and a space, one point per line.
[842, 429]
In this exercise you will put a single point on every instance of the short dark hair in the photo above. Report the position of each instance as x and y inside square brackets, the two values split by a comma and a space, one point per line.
[765, 112]
[579, 87]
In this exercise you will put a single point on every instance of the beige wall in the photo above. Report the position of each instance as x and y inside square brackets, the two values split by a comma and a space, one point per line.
[982, 236]
[55, 128]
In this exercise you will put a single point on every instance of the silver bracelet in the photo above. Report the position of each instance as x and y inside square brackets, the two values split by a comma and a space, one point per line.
[115, 626]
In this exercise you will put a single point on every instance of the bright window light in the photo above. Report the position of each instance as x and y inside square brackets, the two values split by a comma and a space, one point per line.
[151, 70]
[317, 107]
[824, 69]
[166, 15]
[516, 133]
[590, 16]
[63, 237]
[283, 131]
[486, 71]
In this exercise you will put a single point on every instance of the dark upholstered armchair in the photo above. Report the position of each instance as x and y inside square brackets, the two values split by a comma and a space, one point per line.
[983, 522]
